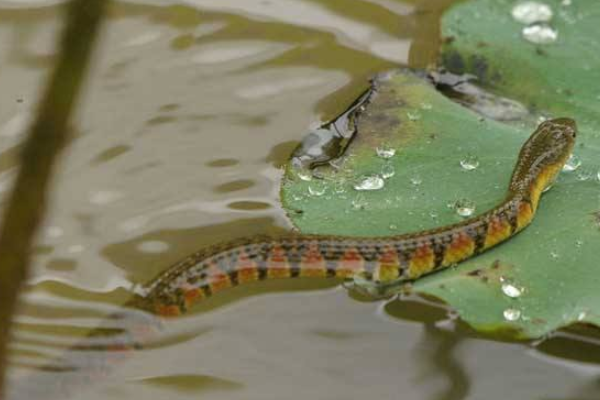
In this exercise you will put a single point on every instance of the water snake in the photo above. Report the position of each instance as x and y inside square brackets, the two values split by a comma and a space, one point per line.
[380, 259]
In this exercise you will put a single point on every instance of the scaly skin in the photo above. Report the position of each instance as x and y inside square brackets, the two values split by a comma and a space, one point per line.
[381, 259]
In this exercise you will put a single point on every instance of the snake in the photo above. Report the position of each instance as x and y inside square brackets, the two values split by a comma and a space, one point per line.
[381, 260]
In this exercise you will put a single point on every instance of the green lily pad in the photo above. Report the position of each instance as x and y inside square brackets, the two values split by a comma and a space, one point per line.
[548, 276]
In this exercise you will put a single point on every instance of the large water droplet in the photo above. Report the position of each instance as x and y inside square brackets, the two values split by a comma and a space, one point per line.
[510, 289]
[385, 151]
[566, 3]
[464, 207]
[530, 12]
[387, 171]
[371, 182]
[540, 34]
[512, 314]
[554, 255]
[572, 163]
[469, 162]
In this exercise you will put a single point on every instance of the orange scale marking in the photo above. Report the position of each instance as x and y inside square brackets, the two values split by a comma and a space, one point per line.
[313, 263]
[167, 311]
[421, 262]
[350, 264]
[524, 216]
[461, 248]
[192, 296]
[388, 269]
[498, 230]
[278, 265]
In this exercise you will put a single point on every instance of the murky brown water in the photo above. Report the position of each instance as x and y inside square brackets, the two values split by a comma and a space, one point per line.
[190, 113]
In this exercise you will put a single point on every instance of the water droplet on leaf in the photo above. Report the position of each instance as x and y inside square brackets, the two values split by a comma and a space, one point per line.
[316, 189]
[385, 151]
[572, 163]
[470, 162]
[512, 314]
[510, 289]
[530, 12]
[416, 180]
[371, 182]
[464, 207]
[540, 34]
[413, 115]
[387, 171]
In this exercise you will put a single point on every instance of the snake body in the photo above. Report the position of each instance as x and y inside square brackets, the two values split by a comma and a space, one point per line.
[381, 259]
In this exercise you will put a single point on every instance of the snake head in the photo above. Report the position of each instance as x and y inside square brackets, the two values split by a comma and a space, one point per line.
[543, 156]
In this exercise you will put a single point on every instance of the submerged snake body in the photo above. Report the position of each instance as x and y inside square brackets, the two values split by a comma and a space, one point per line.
[381, 259]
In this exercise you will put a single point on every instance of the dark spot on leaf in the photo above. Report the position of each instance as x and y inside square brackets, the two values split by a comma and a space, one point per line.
[454, 62]
[480, 67]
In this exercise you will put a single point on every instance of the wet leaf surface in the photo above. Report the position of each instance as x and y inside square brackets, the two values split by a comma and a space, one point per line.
[545, 278]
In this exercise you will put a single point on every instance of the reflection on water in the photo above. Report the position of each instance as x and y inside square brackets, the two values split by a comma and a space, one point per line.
[192, 110]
